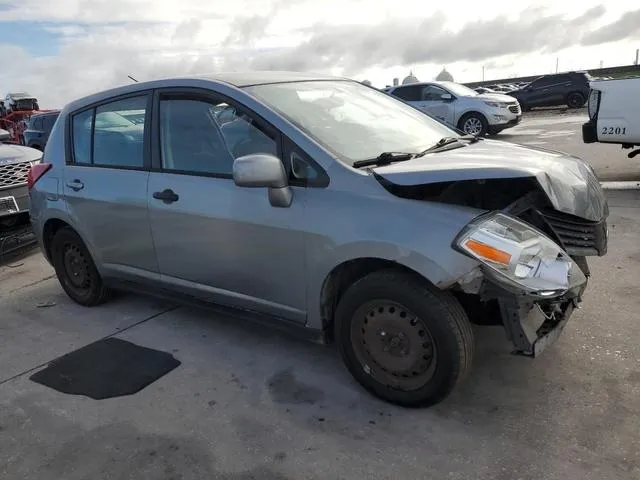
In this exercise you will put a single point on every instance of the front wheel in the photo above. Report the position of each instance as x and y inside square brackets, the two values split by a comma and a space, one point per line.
[474, 124]
[76, 270]
[402, 339]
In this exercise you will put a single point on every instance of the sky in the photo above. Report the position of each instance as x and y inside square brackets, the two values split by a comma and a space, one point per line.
[58, 50]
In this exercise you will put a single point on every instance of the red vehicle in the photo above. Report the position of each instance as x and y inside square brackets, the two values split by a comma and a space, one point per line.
[16, 123]
[15, 111]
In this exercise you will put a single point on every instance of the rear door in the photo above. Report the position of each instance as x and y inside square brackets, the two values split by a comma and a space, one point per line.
[105, 185]
[213, 239]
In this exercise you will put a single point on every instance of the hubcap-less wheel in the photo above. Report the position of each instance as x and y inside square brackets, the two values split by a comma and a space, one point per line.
[472, 126]
[393, 344]
[575, 101]
[76, 268]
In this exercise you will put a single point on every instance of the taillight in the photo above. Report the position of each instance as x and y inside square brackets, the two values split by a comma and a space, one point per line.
[35, 172]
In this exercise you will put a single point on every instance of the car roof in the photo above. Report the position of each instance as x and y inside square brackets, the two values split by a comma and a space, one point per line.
[236, 79]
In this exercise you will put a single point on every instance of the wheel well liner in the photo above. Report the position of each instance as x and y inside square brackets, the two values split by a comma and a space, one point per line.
[50, 228]
[344, 275]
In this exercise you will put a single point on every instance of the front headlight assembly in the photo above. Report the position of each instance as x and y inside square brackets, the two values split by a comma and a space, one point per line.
[496, 104]
[517, 255]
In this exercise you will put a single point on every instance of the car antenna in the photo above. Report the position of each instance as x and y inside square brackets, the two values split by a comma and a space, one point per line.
[132, 78]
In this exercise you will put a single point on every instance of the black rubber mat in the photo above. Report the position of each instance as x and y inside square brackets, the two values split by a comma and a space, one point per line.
[106, 369]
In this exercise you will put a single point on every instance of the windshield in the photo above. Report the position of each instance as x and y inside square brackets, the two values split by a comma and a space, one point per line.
[351, 120]
[459, 90]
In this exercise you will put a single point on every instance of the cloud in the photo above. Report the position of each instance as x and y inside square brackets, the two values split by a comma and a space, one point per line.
[99, 44]
[628, 26]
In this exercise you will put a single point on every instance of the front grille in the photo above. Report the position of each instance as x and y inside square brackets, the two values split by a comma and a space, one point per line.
[514, 109]
[577, 236]
[14, 174]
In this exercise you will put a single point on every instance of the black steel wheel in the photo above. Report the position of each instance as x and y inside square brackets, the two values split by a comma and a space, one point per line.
[575, 100]
[404, 340]
[76, 270]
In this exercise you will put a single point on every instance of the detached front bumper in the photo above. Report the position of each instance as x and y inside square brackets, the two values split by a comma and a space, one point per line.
[534, 324]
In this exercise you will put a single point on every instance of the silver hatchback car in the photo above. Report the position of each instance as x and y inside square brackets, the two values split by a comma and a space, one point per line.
[323, 204]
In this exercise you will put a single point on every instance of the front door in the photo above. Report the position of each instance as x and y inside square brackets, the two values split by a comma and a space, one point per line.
[432, 103]
[214, 240]
[105, 186]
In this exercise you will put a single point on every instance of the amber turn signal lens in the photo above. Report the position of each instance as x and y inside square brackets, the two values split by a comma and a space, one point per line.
[488, 252]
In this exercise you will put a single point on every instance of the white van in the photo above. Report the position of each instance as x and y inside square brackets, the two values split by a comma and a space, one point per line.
[614, 113]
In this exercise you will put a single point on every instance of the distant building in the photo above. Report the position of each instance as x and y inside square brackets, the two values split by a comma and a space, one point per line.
[444, 76]
[396, 82]
[366, 82]
[410, 79]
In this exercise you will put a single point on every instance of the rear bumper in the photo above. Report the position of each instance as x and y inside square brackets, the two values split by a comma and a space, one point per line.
[14, 200]
[589, 132]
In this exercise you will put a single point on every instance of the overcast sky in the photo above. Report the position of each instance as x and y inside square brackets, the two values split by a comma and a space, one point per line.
[58, 50]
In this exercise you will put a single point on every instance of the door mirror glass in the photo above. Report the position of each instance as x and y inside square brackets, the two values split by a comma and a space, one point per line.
[4, 135]
[259, 170]
[446, 97]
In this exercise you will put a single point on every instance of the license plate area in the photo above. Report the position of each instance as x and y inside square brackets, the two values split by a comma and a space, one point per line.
[8, 205]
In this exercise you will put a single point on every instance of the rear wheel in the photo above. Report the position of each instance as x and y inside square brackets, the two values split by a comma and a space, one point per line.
[76, 270]
[575, 100]
[474, 124]
[404, 340]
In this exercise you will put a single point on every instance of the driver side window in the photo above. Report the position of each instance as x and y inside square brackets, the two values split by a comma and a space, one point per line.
[431, 93]
[194, 140]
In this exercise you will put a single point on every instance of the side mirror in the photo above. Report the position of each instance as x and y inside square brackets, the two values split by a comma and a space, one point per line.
[446, 97]
[262, 170]
[4, 135]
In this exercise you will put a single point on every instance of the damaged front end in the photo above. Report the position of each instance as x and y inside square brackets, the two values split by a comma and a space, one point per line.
[533, 282]
[531, 246]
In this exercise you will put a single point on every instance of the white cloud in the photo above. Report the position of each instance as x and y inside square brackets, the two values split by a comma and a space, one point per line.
[100, 42]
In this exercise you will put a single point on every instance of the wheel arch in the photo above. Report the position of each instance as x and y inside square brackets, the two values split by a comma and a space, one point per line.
[470, 112]
[349, 271]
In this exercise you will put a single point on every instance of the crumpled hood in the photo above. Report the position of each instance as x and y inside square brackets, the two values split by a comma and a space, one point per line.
[17, 154]
[568, 181]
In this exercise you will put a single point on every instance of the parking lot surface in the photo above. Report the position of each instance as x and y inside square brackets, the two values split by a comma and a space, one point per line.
[562, 130]
[248, 402]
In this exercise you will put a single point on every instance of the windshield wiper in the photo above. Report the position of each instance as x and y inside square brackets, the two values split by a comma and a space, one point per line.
[444, 141]
[385, 158]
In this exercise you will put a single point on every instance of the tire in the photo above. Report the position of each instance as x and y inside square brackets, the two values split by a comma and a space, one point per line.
[474, 124]
[76, 270]
[575, 100]
[402, 339]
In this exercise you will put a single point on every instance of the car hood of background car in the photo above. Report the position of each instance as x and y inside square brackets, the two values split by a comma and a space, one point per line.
[17, 154]
[496, 97]
[569, 182]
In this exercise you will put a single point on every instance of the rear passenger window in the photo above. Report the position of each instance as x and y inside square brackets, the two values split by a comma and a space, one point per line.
[118, 139]
[81, 129]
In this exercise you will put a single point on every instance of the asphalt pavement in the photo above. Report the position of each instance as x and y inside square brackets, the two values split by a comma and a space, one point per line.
[562, 130]
[248, 402]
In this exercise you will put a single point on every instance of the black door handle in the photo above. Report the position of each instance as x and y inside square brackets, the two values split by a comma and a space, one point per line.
[167, 196]
[75, 185]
